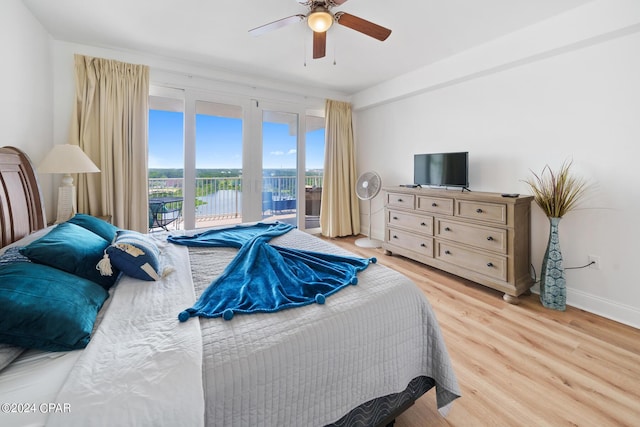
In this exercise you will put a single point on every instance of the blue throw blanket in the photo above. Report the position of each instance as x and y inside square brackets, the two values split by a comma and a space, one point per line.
[263, 278]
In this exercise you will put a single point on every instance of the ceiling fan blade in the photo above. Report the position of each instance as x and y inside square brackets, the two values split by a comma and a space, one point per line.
[336, 2]
[362, 25]
[319, 44]
[276, 24]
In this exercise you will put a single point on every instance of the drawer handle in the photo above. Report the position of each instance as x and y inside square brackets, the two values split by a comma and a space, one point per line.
[395, 237]
[489, 264]
[395, 218]
[489, 238]
[447, 252]
[434, 204]
[478, 210]
[424, 224]
[423, 245]
[400, 200]
[447, 229]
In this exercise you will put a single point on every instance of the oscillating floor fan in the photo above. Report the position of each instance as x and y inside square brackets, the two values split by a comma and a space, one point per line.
[368, 187]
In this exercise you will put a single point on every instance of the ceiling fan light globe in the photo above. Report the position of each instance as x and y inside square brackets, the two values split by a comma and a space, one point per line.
[320, 20]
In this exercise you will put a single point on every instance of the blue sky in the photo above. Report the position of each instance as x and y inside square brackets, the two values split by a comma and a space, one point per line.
[219, 143]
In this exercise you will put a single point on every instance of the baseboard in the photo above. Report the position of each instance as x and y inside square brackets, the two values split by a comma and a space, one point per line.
[602, 307]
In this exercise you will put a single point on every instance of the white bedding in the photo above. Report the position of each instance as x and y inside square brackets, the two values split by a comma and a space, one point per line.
[302, 366]
[142, 366]
[29, 382]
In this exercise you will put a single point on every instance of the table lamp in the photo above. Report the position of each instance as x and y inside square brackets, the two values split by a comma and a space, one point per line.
[66, 159]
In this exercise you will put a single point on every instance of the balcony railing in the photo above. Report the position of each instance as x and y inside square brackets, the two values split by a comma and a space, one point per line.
[220, 198]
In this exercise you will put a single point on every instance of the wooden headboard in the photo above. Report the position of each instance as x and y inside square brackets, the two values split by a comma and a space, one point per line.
[21, 205]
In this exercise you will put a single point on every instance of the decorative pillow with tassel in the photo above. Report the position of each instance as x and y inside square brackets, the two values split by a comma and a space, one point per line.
[134, 254]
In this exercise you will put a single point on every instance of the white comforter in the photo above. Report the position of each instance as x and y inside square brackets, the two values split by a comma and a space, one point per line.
[305, 366]
[142, 367]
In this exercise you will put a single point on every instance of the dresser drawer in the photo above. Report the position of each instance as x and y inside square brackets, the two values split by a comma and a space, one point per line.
[493, 239]
[437, 205]
[494, 266]
[420, 223]
[413, 242]
[482, 211]
[399, 200]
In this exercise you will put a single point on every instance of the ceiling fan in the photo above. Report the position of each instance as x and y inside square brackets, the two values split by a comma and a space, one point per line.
[320, 18]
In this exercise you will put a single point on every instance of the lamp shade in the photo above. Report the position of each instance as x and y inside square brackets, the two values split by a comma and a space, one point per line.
[320, 20]
[67, 158]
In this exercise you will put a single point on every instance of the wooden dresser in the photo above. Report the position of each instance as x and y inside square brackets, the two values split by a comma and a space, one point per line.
[483, 237]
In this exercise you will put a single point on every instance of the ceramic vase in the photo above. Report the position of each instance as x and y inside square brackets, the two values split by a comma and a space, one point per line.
[553, 289]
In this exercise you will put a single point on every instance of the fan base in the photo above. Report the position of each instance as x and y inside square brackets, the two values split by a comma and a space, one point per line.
[366, 242]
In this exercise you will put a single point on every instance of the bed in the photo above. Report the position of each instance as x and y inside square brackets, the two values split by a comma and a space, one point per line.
[360, 358]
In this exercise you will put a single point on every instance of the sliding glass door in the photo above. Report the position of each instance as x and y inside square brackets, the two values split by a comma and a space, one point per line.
[314, 170]
[218, 164]
[166, 160]
[280, 166]
[228, 161]
[292, 165]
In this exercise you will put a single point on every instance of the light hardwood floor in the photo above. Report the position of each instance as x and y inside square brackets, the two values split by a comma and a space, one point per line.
[523, 365]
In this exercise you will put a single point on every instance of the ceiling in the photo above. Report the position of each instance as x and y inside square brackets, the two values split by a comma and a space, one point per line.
[214, 33]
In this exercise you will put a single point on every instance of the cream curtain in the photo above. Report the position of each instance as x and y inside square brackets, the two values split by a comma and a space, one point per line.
[339, 209]
[109, 123]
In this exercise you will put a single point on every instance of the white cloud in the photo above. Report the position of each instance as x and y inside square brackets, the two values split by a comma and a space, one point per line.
[292, 151]
[277, 153]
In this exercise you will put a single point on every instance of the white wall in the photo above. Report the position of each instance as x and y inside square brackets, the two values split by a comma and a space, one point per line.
[25, 76]
[568, 88]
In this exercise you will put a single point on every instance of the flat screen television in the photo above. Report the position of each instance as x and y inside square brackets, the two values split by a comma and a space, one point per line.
[442, 169]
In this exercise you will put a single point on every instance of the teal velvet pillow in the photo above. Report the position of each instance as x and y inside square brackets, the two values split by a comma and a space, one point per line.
[47, 308]
[98, 226]
[73, 249]
[135, 254]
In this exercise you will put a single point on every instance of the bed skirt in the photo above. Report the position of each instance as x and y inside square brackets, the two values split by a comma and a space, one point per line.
[383, 410]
